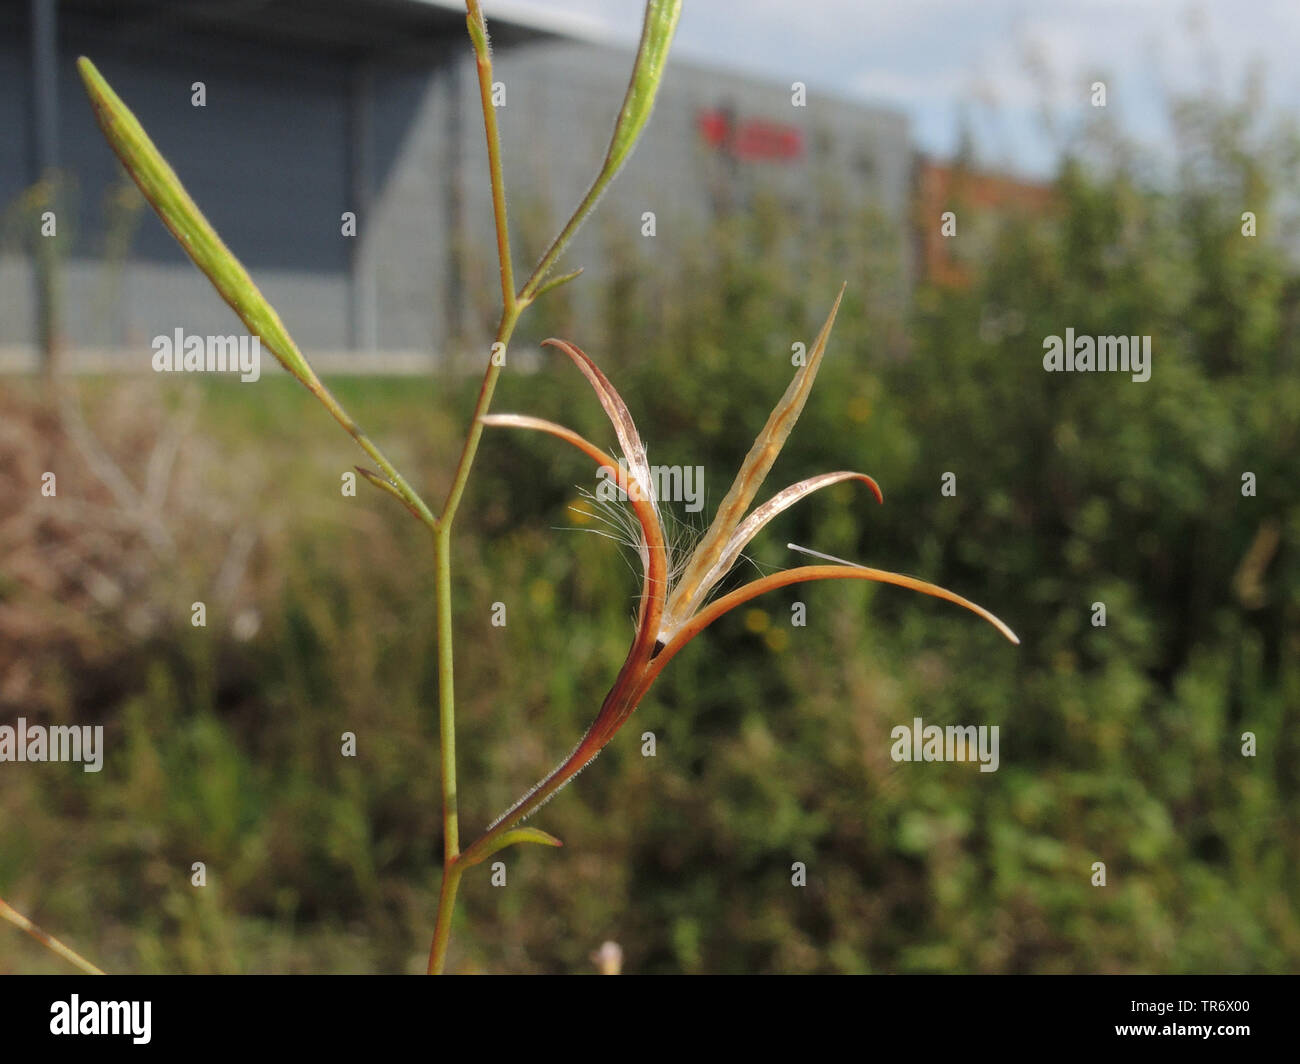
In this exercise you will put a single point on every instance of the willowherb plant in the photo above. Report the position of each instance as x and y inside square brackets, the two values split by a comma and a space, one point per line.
[674, 602]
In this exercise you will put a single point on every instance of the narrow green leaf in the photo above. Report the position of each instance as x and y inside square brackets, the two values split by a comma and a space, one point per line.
[555, 282]
[164, 191]
[386, 485]
[509, 838]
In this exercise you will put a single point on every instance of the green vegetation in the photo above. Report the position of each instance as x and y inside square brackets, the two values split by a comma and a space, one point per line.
[1119, 744]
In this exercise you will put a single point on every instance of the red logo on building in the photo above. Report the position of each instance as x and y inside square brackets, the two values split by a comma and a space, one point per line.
[751, 139]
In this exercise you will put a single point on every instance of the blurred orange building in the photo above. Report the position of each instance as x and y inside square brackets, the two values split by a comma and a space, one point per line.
[979, 202]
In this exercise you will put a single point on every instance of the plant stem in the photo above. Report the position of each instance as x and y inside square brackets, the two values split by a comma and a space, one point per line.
[446, 697]
[451, 874]
[45, 939]
[442, 931]
[505, 329]
[510, 310]
[483, 60]
[513, 304]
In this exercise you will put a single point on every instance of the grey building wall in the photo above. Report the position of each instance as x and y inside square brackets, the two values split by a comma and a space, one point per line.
[296, 132]
[265, 160]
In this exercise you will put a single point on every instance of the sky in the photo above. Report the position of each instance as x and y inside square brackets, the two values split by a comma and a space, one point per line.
[995, 67]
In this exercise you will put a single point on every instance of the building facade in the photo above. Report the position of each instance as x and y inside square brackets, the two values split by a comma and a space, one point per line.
[284, 118]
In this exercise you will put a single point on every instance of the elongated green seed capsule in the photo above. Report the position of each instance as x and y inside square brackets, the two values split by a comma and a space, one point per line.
[164, 191]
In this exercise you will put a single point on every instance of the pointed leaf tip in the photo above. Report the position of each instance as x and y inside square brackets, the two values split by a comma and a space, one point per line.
[758, 462]
[615, 409]
[853, 570]
[512, 837]
[555, 282]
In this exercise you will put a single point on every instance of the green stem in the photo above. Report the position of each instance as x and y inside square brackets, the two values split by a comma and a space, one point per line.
[446, 678]
[446, 904]
[505, 330]
[510, 310]
[483, 60]
[657, 32]
[446, 697]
